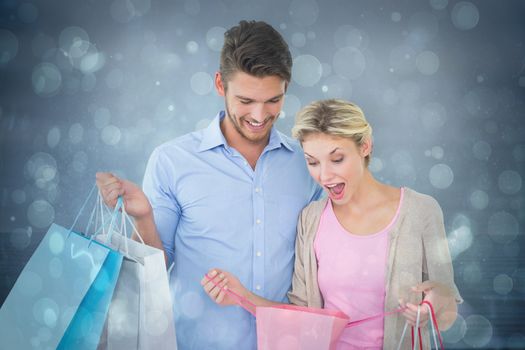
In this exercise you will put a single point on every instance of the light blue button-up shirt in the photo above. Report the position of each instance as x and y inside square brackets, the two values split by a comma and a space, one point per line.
[213, 210]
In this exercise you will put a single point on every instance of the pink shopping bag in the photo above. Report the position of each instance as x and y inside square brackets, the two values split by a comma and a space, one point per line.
[289, 327]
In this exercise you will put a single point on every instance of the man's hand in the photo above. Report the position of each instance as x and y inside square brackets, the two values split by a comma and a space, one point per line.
[135, 201]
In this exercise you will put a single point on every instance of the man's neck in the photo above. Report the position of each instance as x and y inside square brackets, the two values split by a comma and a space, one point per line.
[251, 151]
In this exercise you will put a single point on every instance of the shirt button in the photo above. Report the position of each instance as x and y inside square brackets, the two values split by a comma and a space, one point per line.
[258, 253]
[257, 189]
[245, 163]
[258, 221]
[258, 287]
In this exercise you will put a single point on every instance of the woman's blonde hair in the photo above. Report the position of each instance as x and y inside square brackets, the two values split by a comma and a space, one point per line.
[333, 117]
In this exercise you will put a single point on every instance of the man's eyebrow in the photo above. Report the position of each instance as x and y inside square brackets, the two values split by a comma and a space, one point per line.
[251, 99]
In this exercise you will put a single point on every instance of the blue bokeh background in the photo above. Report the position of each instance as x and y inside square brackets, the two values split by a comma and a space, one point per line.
[88, 85]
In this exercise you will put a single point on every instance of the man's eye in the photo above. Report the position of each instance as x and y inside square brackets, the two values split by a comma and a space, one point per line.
[312, 164]
[245, 102]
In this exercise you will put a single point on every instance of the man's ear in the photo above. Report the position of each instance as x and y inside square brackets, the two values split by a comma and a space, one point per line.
[219, 85]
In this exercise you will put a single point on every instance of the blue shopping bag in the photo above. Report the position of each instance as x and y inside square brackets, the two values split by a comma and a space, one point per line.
[61, 298]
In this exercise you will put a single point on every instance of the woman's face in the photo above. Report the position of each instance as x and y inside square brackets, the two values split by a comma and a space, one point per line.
[336, 163]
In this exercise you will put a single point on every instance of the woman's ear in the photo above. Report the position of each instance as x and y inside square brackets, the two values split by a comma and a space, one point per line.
[366, 147]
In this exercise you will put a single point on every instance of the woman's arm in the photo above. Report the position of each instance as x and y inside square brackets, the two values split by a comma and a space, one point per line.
[438, 284]
[226, 289]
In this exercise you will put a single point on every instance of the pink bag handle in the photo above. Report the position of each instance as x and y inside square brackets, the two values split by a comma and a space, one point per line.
[243, 302]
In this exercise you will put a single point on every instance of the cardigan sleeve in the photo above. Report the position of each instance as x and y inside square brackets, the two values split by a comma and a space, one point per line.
[438, 263]
[297, 295]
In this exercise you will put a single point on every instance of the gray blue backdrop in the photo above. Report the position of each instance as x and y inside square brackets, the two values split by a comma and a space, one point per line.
[89, 85]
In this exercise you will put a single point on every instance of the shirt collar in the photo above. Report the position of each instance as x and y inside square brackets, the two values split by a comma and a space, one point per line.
[212, 136]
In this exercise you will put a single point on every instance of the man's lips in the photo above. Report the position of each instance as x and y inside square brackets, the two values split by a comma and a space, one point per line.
[256, 126]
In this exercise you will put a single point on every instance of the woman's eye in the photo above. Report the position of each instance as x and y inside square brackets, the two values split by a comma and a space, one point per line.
[338, 160]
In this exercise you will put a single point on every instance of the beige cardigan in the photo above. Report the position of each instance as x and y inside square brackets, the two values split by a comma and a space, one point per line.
[418, 251]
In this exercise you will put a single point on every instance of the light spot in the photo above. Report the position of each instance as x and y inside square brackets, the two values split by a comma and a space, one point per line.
[291, 106]
[427, 62]
[503, 227]
[437, 152]
[76, 133]
[479, 331]
[307, 70]
[479, 199]
[201, 83]
[438, 4]
[349, 62]
[215, 38]
[482, 150]
[111, 135]
[102, 117]
[46, 79]
[502, 284]
[40, 213]
[509, 182]
[304, 12]
[457, 331]
[20, 238]
[348, 36]
[53, 137]
[465, 15]
[395, 17]
[298, 39]
[8, 46]
[18, 196]
[441, 176]
[192, 47]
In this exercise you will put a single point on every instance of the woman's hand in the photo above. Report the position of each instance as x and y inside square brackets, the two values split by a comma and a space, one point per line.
[135, 201]
[216, 283]
[442, 299]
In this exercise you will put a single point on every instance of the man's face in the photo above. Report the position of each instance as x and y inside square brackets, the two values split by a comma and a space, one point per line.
[252, 104]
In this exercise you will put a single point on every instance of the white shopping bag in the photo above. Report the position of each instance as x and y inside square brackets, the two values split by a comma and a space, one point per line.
[140, 314]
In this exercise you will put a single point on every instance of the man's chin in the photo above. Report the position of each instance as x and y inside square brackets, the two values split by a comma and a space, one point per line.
[256, 137]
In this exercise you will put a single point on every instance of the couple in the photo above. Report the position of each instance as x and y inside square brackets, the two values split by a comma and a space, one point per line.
[230, 196]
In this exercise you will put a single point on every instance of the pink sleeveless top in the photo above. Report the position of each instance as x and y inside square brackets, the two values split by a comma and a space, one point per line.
[351, 276]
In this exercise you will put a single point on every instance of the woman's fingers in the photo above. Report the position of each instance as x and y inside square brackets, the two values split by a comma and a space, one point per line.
[410, 315]
[214, 284]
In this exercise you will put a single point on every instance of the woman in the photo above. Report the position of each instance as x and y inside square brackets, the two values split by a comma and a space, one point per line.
[368, 247]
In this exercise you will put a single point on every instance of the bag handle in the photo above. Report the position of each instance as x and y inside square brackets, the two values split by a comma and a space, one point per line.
[242, 301]
[417, 335]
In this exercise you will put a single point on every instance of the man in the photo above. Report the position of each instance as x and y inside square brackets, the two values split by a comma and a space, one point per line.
[227, 196]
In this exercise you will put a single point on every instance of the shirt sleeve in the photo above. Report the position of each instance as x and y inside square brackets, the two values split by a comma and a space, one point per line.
[158, 186]
[438, 263]
[317, 192]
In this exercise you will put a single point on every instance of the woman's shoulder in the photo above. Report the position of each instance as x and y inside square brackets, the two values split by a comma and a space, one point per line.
[315, 208]
[420, 202]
